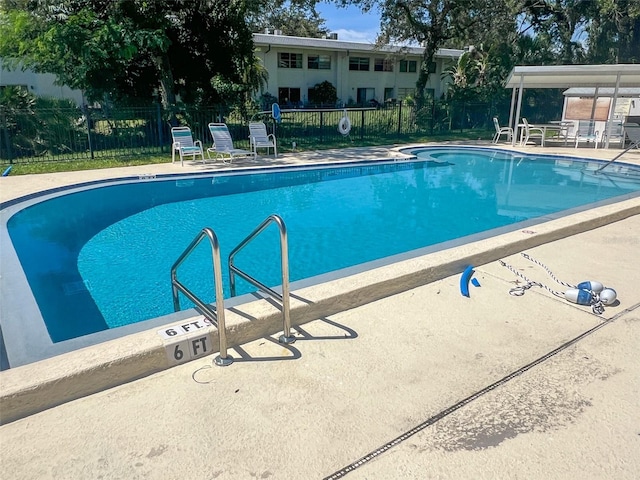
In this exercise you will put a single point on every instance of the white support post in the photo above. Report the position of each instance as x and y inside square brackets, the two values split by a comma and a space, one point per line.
[517, 121]
[612, 110]
[513, 105]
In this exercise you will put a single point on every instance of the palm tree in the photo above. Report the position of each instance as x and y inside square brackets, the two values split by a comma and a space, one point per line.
[459, 71]
[255, 78]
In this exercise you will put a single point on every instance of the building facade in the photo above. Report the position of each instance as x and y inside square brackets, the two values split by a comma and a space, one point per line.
[361, 73]
[40, 84]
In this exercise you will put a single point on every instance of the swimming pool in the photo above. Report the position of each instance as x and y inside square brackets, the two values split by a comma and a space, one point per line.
[107, 264]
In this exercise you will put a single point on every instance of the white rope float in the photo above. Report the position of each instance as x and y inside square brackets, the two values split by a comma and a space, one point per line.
[344, 125]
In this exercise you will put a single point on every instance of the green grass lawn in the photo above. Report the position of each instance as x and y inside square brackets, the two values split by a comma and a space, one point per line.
[73, 165]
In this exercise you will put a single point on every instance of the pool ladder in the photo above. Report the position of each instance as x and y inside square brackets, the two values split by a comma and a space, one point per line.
[216, 314]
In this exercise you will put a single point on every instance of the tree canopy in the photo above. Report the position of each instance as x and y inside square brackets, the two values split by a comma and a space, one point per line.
[444, 23]
[297, 18]
[510, 32]
[201, 51]
[195, 50]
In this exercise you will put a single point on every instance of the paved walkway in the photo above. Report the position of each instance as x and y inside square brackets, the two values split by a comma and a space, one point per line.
[423, 384]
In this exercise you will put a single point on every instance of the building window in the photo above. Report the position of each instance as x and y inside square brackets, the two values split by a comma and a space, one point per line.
[383, 65]
[289, 97]
[410, 66]
[365, 95]
[289, 60]
[359, 63]
[319, 62]
[388, 94]
[405, 92]
[432, 67]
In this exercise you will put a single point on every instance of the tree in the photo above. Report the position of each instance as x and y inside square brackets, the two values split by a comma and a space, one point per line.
[560, 23]
[133, 48]
[594, 31]
[294, 17]
[438, 23]
[613, 31]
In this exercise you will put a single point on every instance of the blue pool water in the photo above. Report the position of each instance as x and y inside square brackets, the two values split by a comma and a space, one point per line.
[101, 258]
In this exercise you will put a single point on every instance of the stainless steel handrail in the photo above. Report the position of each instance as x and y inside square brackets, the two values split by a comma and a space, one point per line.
[633, 145]
[217, 316]
[286, 336]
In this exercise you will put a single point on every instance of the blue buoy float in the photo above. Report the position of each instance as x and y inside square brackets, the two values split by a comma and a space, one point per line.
[7, 171]
[579, 296]
[591, 285]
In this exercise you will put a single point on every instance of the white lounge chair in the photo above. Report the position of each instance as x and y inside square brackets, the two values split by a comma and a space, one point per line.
[632, 132]
[508, 131]
[222, 147]
[616, 135]
[184, 144]
[586, 132]
[530, 132]
[261, 139]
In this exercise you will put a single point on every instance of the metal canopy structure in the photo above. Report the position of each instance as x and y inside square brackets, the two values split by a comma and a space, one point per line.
[567, 76]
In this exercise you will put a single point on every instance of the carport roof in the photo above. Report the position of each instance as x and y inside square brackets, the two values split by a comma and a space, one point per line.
[564, 76]
[602, 92]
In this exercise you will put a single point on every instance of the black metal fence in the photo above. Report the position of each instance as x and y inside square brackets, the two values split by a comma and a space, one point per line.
[69, 134]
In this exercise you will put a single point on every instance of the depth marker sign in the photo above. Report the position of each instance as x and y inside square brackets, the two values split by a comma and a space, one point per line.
[187, 341]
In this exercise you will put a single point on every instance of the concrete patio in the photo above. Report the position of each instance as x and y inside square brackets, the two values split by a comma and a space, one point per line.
[425, 383]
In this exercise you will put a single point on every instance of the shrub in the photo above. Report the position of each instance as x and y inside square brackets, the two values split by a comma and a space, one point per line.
[323, 94]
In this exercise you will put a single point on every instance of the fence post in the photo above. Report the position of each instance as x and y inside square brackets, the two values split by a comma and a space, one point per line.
[433, 115]
[5, 134]
[361, 124]
[321, 126]
[87, 115]
[400, 118]
[160, 126]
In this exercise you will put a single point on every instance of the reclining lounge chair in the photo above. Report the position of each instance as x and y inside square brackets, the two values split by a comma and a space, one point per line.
[222, 147]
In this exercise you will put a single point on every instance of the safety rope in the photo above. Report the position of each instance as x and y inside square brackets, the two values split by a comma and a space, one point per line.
[557, 280]
[520, 289]
[596, 304]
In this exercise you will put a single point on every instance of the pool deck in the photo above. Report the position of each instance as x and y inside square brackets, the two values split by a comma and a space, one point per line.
[425, 383]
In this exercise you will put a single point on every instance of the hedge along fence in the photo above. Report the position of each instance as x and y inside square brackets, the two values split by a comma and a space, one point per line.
[68, 134]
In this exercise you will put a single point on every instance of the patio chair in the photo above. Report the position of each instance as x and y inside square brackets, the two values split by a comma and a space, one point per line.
[530, 132]
[616, 135]
[259, 138]
[184, 144]
[569, 130]
[508, 131]
[632, 132]
[222, 147]
[586, 132]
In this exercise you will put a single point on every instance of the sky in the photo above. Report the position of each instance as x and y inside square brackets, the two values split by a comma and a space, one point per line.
[350, 23]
